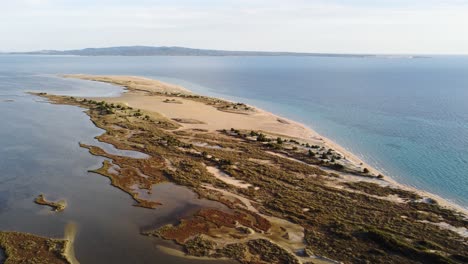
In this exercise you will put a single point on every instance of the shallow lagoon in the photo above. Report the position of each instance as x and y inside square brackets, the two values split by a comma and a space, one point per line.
[39, 153]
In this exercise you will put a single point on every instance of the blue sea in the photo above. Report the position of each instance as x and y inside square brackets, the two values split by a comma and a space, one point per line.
[407, 117]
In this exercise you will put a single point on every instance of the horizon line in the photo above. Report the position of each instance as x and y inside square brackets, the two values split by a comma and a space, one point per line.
[229, 50]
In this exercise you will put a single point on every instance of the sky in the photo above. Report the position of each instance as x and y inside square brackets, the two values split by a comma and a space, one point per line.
[328, 26]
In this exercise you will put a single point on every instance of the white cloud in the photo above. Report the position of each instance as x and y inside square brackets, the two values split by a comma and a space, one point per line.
[359, 26]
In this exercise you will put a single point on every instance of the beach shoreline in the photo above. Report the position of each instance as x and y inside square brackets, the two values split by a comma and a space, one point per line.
[282, 185]
[296, 130]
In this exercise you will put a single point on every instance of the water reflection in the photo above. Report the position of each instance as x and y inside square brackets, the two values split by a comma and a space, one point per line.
[2, 255]
[110, 149]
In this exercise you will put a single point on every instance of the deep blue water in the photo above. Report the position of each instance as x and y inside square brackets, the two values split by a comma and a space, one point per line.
[407, 117]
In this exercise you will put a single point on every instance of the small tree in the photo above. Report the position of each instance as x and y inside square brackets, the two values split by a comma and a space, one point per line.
[311, 153]
[365, 170]
[261, 138]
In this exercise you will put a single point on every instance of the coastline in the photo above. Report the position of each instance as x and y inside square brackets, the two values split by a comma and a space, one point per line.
[303, 202]
[387, 180]
[296, 130]
[354, 158]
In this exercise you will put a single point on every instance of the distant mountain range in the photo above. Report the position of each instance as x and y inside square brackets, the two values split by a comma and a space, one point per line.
[173, 51]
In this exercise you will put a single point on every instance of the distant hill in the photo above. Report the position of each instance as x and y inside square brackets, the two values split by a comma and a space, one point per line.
[173, 51]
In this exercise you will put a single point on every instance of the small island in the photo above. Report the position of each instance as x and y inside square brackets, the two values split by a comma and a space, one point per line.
[58, 206]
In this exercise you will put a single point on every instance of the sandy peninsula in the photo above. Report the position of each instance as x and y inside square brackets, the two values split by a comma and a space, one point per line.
[150, 95]
[291, 196]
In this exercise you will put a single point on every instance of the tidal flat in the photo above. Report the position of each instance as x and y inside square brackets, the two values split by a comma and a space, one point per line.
[300, 205]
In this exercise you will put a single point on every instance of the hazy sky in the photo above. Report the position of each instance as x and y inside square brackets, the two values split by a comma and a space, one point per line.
[345, 26]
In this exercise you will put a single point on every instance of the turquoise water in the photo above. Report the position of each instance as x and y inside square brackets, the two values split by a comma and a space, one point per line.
[407, 117]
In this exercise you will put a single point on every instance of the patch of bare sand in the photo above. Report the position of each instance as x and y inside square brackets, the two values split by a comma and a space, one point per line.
[208, 117]
[138, 83]
[226, 178]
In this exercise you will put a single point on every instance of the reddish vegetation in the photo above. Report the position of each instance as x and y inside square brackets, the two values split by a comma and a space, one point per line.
[261, 223]
[186, 229]
[142, 173]
[220, 218]
[151, 167]
[208, 219]
[245, 218]
[232, 203]
[147, 204]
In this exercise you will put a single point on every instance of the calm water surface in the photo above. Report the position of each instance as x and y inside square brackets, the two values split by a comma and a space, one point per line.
[407, 117]
[39, 153]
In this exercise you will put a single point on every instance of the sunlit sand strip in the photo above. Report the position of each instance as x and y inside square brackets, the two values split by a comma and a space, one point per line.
[70, 234]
